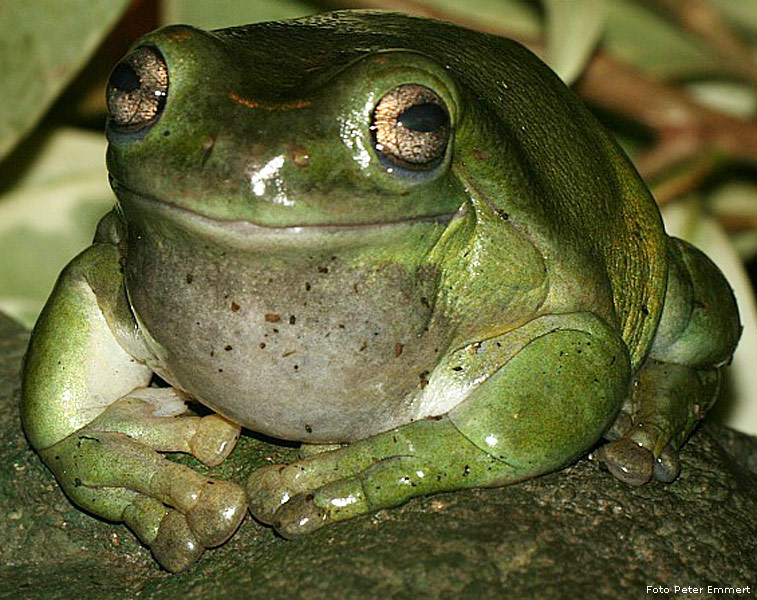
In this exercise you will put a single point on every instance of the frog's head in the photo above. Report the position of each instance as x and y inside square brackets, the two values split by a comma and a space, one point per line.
[355, 118]
[283, 125]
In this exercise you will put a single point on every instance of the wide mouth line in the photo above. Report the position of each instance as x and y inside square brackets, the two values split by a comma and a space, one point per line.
[443, 218]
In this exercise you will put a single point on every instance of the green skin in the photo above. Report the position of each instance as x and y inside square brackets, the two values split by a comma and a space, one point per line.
[476, 323]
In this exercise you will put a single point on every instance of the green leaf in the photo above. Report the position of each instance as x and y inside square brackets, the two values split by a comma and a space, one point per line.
[646, 39]
[43, 44]
[735, 98]
[517, 17]
[226, 13]
[741, 13]
[687, 220]
[573, 30]
[48, 217]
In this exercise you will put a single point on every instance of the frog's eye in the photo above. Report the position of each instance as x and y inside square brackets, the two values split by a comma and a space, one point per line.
[137, 88]
[411, 127]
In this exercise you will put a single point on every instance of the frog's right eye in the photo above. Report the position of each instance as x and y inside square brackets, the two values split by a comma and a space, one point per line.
[411, 127]
[137, 88]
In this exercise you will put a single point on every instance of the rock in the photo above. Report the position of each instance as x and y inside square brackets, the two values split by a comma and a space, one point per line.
[576, 533]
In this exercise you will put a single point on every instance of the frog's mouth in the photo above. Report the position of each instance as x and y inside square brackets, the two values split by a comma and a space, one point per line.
[137, 207]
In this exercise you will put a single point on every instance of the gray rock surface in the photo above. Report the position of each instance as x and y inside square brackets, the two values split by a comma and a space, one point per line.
[577, 533]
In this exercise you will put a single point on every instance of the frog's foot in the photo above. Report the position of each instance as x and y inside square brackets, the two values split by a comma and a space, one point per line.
[666, 405]
[634, 464]
[112, 468]
[383, 471]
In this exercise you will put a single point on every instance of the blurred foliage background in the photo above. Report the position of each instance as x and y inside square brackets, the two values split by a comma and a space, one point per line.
[674, 80]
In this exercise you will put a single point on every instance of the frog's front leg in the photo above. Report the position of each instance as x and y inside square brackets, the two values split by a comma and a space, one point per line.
[535, 399]
[87, 411]
[679, 380]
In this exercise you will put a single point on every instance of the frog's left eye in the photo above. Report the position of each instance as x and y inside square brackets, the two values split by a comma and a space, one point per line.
[411, 127]
[137, 88]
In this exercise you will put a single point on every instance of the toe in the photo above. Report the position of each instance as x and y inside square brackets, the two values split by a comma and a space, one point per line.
[214, 440]
[667, 467]
[628, 461]
[266, 493]
[176, 547]
[220, 508]
[299, 516]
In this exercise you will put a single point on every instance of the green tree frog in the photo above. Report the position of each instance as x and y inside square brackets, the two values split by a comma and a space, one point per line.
[397, 237]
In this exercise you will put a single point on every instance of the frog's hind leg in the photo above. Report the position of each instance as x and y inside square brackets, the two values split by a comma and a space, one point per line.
[521, 420]
[679, 380]
[86, 410]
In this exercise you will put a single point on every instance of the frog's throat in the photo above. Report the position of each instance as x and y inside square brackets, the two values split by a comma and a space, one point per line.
[169, 209]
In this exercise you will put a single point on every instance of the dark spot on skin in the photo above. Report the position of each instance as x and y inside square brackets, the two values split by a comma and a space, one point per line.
[207, 149]
[424, 378]
[425, 302]
[296, 367]
[262, 345]
[272, 318]
[86, 437]
[197, 322]
[77, 482]
[234, 307]
[505, 216]
[190, 277]
[166, 133]
[644, 310]
[398, 349]
[292, 320]
[323, 269]
[479, 154]
[341, 325]
[307, 286]
[457, 368]
[308, 428]
[220, 370]
[275, 330]
[310, 497]
[210, 482]
[288, 353]
[354, 288]
[299, 156]
[212, 353]
[227, 347]
[466, 470]
[363, 347]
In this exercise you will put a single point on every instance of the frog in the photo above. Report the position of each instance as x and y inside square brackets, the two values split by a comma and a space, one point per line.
[402, 243]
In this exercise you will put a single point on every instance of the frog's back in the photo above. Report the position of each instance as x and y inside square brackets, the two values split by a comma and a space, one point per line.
[574, 193]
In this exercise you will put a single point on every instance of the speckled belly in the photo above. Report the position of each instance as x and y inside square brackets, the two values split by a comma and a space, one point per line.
[312, 346]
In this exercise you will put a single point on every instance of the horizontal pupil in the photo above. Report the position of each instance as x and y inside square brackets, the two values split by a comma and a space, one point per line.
[125, 78]
[424, 117]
